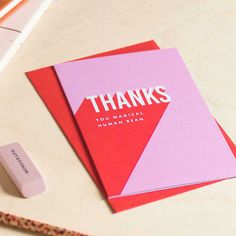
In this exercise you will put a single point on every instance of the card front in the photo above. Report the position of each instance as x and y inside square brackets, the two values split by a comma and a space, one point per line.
[185, 142]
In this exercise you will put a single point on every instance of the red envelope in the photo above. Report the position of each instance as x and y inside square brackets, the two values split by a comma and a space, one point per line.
[49, 89]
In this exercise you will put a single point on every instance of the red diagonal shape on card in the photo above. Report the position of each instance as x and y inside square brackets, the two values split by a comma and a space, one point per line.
[117, 138]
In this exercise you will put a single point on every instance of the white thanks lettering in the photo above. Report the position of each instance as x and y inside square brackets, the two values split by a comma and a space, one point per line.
[133, 98]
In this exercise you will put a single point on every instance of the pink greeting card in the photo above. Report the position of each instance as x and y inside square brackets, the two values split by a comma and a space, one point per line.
[145, 123]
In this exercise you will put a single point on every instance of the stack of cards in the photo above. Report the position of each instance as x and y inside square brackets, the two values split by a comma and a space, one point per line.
[138, 123]
[17, 21]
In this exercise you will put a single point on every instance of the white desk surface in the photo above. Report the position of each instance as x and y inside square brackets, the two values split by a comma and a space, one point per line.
[205, 33]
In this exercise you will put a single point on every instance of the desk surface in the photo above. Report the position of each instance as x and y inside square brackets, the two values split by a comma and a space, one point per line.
[203, 30]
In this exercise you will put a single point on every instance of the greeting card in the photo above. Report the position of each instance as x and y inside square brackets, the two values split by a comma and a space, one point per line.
[145, 123]
[47, 85]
